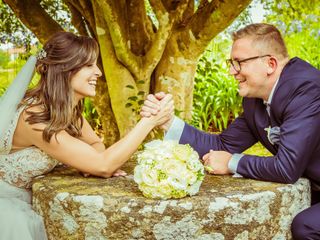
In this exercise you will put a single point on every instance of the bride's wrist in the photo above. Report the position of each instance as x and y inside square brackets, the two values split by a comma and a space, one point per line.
[148, 121]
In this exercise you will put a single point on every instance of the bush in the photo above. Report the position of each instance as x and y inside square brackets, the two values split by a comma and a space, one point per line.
[4, 59]
[91, 114]
[216, 101]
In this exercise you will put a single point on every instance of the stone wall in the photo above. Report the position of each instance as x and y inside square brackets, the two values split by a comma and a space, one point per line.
[75, 207]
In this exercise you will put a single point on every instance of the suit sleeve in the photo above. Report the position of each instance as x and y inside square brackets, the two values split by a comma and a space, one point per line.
[235, 139]
[299, 137]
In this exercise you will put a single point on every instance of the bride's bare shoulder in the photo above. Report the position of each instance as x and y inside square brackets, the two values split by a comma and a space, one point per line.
[28, 117]
[25, 132]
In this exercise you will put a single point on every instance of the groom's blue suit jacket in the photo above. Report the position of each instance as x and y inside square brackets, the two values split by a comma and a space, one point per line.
[295, 108]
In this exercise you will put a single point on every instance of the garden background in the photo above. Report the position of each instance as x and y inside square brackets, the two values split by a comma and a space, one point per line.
[214, 94]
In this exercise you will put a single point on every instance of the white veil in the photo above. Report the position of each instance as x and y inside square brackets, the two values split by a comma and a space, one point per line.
[11, 98]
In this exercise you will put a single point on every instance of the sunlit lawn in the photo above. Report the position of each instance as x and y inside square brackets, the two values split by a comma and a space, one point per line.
[7, 76]
[258, 150]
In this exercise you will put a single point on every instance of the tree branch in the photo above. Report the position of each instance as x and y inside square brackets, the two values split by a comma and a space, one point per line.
[211, 19]
[166, 22]
[188, 13]
[182, 8]
[158, 8]
[140, 27]
[77, 20]
[120, 43]
[34, 17]
[171, 5]
[203, 3]
[85, 10]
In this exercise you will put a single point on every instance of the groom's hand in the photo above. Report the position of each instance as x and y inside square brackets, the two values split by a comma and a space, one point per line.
[217, 162]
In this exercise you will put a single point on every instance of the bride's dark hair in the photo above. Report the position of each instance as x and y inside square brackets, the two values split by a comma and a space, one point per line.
[65, 54]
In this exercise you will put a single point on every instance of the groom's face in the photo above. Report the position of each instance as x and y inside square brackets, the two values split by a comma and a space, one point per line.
[252, 76]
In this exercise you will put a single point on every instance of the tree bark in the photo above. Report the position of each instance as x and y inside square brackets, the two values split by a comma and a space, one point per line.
[175, 74]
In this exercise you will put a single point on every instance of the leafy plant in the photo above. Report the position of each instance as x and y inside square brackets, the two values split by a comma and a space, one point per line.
[135, 102]
[2, 90]
[91, 114]
[8, 70]
[216, 100]
[299, 23]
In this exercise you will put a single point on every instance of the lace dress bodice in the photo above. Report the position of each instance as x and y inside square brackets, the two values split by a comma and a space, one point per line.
[20, 167]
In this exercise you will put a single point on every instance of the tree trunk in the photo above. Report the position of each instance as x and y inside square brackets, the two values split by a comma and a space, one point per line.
[175, 74]
[119, 81]
[103, 105]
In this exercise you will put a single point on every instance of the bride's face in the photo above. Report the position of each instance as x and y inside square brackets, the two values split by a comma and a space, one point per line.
[84, 81]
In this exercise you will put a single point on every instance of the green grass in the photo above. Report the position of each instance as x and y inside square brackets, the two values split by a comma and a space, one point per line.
[259, 150]
[8, 75]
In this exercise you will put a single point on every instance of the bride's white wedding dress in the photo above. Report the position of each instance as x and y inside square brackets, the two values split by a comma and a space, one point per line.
[18, 221]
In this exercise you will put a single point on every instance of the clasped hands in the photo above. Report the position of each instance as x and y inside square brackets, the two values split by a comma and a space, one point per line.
[216, 162]
[159, 107]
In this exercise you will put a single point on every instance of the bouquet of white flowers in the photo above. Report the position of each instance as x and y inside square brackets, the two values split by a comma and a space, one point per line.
[167, 169]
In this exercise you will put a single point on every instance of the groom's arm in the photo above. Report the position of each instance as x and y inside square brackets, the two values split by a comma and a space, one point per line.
[235, 139]
[175, 129]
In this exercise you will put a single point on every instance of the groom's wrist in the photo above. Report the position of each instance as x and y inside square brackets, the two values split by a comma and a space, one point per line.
[166, 126]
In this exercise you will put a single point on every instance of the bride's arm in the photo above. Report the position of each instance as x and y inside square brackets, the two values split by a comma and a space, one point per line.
[84, 157]
[89, 136]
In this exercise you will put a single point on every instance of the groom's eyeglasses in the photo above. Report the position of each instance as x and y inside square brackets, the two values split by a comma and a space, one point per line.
[236, 64]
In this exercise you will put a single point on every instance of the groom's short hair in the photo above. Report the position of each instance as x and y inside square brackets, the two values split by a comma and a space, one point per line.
[265, 38]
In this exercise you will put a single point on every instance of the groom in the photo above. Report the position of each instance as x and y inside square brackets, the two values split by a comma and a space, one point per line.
[281, 103]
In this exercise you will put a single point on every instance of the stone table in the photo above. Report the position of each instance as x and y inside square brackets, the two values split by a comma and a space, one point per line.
[90, 208]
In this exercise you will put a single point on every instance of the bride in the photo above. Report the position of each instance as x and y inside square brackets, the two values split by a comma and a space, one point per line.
[44, 126]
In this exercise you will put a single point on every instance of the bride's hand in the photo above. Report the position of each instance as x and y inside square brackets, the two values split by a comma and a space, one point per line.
[119, 173]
